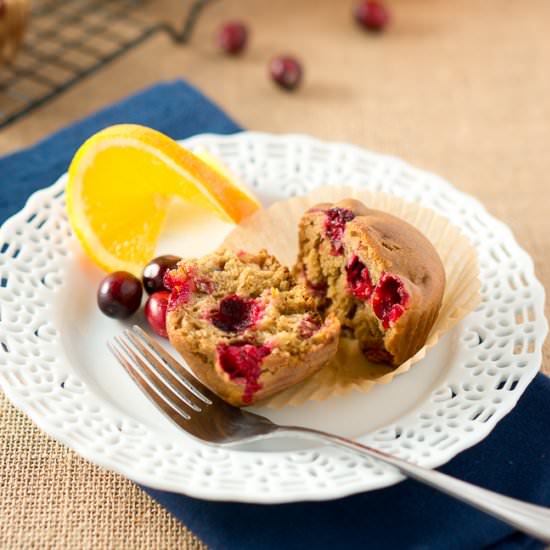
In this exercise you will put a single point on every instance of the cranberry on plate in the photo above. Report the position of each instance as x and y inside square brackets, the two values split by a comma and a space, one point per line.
[153, 273]
[119, 295]
[155, 312]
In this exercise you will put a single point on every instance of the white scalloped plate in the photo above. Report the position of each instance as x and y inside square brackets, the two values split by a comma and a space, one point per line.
[55, 366]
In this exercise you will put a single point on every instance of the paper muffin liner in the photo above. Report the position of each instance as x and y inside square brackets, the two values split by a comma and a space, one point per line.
[276, 230]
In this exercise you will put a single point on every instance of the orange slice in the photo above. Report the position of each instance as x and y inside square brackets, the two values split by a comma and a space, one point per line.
[120, 184]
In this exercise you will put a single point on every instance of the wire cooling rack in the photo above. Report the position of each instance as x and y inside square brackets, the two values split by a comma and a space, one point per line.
[68, 40]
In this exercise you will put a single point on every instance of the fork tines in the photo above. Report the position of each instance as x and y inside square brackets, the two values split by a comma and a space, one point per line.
[160, 376]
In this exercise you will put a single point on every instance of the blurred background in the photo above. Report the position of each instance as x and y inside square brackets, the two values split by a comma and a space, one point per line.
[460, 88]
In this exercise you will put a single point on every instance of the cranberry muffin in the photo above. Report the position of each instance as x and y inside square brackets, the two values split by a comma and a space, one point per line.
[378, 274]
[244, 326]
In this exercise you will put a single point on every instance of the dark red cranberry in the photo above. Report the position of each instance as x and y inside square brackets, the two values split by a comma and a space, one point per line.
[371, 15]
[286, 71]
[335, 224]
[358, 277]
[155, 311]
[3, 8]
[236, 314]
[242, 361]
[378, 356]
[308, 327]
[232, 37]
[389, 299]
[153, 273]
[119, 295]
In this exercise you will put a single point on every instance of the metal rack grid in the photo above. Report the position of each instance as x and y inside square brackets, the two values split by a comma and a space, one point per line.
[68, 40]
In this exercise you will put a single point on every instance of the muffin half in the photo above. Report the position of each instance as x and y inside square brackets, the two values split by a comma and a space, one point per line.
[378, 274]
[244, 326]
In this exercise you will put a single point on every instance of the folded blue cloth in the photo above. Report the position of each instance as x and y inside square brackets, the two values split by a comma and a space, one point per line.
[174, 108]
[514, 459]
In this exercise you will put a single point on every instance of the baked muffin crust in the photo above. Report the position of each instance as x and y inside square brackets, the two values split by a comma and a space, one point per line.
[244, 326]
[378, 274]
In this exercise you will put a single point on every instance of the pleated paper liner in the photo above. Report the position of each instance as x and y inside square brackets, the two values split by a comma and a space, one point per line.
[276, 230]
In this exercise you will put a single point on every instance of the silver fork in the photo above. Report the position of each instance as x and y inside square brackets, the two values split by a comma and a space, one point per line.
[204, 415]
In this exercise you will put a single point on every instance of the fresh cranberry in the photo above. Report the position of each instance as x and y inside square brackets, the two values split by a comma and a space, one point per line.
[389, 299]
[232, 37]
[236, 314]
[286, 71]
[155, 311]
[119, 295]
[153, 273]
[358, 277]
[308, 327]
[335, 224]
[376, 355]
[373, 16]
[242, 361]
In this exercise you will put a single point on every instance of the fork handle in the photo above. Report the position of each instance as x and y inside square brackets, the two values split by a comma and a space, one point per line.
[529, 518]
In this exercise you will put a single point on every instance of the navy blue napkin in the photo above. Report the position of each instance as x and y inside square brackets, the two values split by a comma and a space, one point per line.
[174, 108]
[514, 459]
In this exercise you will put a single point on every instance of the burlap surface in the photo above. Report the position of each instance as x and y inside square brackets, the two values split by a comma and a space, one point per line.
[459, 88]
